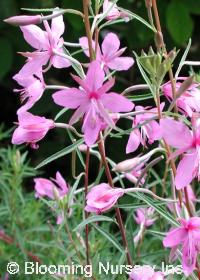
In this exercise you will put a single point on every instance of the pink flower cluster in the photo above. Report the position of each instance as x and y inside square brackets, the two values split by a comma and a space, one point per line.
[98, 108]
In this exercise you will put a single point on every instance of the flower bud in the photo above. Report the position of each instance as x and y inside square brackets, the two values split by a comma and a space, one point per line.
[82, 148]
[24, 20]
[159, 40]
[185, 86]
[127, 165]
[130, 164]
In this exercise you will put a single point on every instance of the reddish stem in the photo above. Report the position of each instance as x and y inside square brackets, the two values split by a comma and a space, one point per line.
[87, 28]
[118, 213]
[86, 213]
[9, 240]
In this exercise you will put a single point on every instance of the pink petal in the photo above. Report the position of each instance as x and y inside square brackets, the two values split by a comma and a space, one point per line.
[78, 113]
[176, 134]
[19, 136]
[70, 98]
[175, 237]
[189, 258]
[24, 81]
[110, 45]
[185, 171]
[33, 66]
[81, 82]
[153, 131]
[133, 141]
[83, 41]
[60, 219]
[60, 62]
[91, 127]
[107, 86]
[44, 187]
[105, 115]
[35, 92]
[57, 27]
[116, 103]
[120, 63]
[35, 36]
[61, 182]
[195, 221]
[95, 76]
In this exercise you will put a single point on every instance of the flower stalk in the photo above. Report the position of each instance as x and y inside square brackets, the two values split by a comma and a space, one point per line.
[118, 213]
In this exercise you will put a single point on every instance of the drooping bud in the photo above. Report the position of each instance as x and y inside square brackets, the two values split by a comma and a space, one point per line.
[130, 164]
[24, 20]
[127, 165]
[159, 40]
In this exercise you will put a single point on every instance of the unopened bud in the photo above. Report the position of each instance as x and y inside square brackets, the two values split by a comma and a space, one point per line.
[131, 178]
[56, 193]
[24, 20]
[185, 86]
[159, 40]
[130, 164]
[82, 148]
[127, 165]
[172, 54]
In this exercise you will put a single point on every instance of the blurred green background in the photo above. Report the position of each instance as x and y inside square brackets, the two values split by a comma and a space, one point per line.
[180, 21]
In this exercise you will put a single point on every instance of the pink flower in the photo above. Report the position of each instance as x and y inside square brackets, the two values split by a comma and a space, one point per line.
[188, 237]
[110, 56]
[31, 129]
[24, 20]
[187, 142]
[102, 197]
[150, 130]
[33, 88]
[114, 12]
[45, 43]
[93, 102]
[145, 273]
[189, 101]
[54, 189]
[145, 216]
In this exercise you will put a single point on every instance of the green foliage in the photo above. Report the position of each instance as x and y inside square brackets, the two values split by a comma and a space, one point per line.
[179, 21]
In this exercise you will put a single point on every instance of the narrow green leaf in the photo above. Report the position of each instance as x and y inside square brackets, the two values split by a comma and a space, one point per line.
[60, 154]
[110, 238]
[141, 97]
[140, 19]
[165, 214]
[145, 77]
[93, 219]
[183, 58]
[73, 189]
